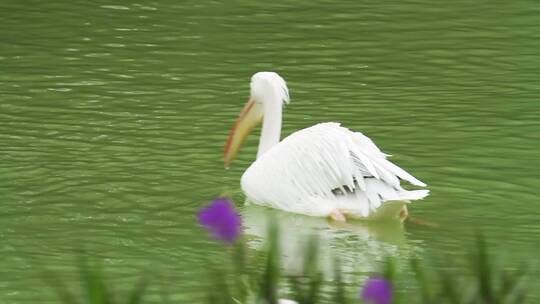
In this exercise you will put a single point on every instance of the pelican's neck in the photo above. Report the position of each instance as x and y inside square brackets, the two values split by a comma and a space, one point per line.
[271, 127]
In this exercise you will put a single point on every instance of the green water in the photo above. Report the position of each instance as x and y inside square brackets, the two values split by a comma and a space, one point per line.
[113, 117]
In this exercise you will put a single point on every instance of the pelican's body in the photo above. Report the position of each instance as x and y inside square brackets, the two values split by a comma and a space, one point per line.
[323, 170]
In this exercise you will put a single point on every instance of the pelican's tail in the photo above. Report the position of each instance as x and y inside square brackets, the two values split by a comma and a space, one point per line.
[380, 200]
[410, 195]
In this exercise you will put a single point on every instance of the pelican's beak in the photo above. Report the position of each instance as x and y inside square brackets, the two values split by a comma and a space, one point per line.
[251, 115]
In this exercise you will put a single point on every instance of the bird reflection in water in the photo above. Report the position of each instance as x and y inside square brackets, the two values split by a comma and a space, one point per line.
[359, 244]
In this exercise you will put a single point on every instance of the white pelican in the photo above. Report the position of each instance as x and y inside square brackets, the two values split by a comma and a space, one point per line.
[323, 170]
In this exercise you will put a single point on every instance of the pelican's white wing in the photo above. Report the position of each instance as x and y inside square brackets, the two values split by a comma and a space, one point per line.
[326, 167]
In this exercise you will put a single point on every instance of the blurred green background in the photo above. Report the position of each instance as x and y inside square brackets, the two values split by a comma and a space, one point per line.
[113, 117]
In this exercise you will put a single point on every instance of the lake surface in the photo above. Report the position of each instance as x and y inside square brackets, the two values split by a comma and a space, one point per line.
[113, 118]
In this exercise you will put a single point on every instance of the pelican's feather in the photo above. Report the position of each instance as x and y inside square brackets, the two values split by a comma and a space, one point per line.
[326, 167]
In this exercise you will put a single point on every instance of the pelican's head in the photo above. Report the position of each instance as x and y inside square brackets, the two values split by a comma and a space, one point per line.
[267, 89]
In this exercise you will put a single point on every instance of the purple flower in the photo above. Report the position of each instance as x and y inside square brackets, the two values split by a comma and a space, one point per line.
[377, 291]
[221, 220]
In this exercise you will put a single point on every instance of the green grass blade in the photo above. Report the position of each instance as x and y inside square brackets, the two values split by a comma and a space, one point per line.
[339, 296]
[96, 288]
[137, 294]
[60, 289]
[270, 279]
[93, 284]
[449, 290]
[481, 264]
[512, 290]
[422, 281]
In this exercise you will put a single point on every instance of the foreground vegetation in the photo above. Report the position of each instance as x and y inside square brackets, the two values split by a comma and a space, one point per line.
[257, 281]
[482, 282]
